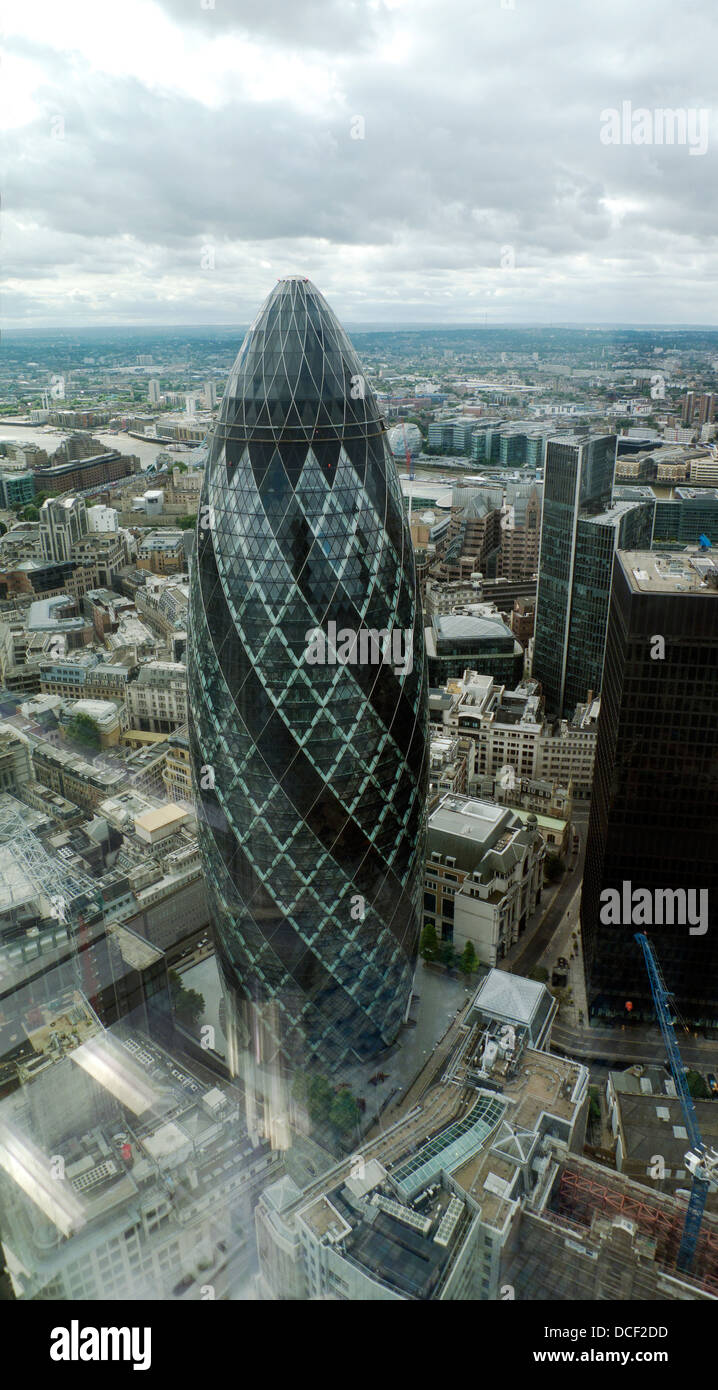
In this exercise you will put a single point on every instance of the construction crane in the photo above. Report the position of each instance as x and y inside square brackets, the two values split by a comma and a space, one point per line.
[702, 1163]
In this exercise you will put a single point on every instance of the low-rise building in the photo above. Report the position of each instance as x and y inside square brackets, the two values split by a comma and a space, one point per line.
[17, 488]
[109, 718]
[177, 769]
[510, 737]
[159, 1176]
[87, 675]
[15, 761]
[648, 1126]
[447, 765]
[162, 552]
[157, 699]
[82, 473]
[72, 777]
[484, 875]
[456, 641]
[426, 1210]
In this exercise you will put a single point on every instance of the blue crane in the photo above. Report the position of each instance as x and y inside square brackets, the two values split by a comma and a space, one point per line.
[701, 1162]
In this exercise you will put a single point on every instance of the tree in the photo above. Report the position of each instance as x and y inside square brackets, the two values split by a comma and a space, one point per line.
[344, 1112]
[697, 1086]
[468, 963]
[447, 954]
[553, 867]
[429, 945]
[319, 1099]
[539, 973]
[186, 523]
[31, 514]
[188, 1004]
[82, 729]
[594, 1104]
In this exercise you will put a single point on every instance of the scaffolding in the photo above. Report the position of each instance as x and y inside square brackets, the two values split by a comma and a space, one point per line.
[579, 1197]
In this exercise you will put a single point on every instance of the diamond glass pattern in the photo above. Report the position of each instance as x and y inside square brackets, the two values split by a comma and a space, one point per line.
[317, 784]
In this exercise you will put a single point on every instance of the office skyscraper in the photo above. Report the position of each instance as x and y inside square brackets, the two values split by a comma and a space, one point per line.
[580, 533]
[653, 820]
[310, 760]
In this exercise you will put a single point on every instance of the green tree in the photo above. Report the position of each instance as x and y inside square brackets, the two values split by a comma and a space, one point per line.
[553, 867]
[186, 523]
[31, 514]
[697, 1086]
[82, 729]
[429, 945]
[188, 1004]
[344, 1112]
[539, 973]
[447, 954]
[468, 963]
[594, 1103]
[319, 1099]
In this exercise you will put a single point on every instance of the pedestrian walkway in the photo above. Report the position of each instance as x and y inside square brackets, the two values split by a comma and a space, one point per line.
[575, 1012]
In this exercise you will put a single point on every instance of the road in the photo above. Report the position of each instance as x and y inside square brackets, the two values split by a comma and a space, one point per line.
[624, 1045]
[531, 949]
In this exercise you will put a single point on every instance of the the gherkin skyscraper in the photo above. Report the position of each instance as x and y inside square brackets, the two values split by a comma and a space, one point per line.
[308, 696]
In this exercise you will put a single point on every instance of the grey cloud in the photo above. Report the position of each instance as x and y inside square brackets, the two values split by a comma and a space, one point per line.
[487, 135]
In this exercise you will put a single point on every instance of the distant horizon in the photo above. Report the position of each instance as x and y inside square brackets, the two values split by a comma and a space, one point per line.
[395, 326]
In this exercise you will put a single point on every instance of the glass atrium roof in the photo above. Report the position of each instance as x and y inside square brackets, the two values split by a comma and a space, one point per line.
[450, 1147]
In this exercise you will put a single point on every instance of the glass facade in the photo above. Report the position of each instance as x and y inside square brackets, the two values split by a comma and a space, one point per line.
[598, 538]
[653, 819]
[311, 777]
[690, 515]
[578, 481]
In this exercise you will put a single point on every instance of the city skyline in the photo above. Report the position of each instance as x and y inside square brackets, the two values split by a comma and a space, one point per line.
[358, 699]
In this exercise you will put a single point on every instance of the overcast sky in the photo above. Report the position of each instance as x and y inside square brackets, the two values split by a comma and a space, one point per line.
[165, 162]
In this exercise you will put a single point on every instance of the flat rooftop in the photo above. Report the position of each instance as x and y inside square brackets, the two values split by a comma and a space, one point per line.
[464, 817]
[671, 572]
[451, 627]
[165, 815]
[50, 615]
[610, 515]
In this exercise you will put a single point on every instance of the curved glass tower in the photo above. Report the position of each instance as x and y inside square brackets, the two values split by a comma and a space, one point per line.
[308, 697]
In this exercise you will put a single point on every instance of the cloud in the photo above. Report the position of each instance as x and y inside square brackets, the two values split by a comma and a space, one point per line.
[444, 163]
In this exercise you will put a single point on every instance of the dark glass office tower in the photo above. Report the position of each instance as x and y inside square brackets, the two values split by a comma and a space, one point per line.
[654, 815]
[311, 774]
[578, 483]
[623, 526]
